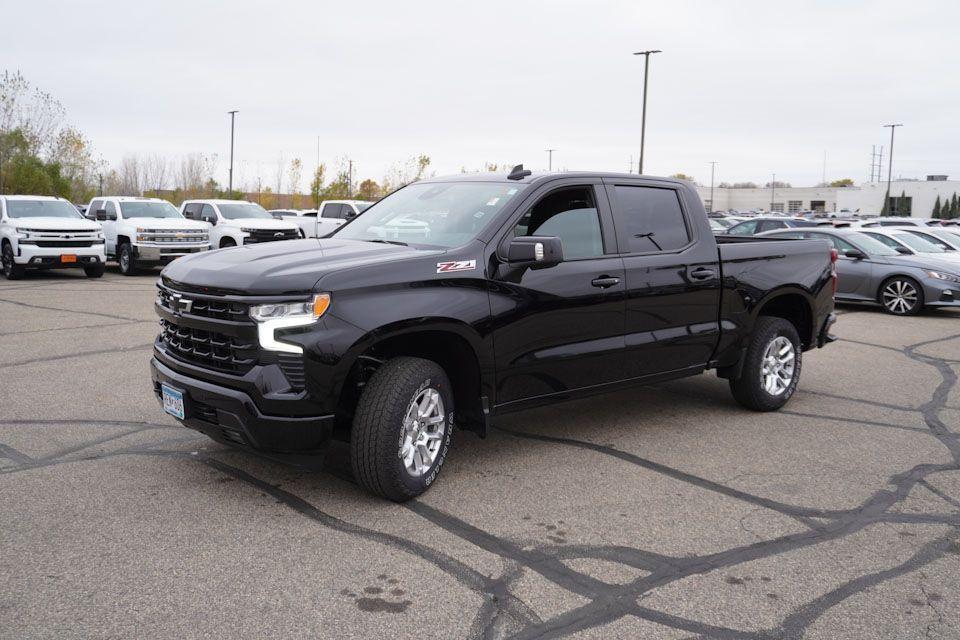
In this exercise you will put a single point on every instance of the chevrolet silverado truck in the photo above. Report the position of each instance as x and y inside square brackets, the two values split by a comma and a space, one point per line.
[145, 232]
[42, 232]
[234, 223]
[526, 290]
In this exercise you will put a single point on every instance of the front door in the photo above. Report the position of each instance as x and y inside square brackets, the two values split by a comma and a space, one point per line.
[560, 328]
[673, 278]
[854, 275]
[110, 227]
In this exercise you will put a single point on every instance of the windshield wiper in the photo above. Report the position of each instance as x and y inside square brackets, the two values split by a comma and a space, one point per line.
[649, 236]
[397, 242]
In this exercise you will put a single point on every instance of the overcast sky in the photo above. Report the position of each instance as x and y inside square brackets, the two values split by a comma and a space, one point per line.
[760, 87]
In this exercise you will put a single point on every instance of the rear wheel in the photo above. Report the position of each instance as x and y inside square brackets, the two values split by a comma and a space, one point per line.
[901, 296]
[11, 270]
[128, 264]
[771, 366]
[402, 428]
[95, 271]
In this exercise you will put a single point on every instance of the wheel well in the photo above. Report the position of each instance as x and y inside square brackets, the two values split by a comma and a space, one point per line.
[227, 241]
[122, 240]
[793, 308]
[449, 350]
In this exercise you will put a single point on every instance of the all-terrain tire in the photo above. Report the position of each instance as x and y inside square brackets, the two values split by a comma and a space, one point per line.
[750, 389]
[377, 438]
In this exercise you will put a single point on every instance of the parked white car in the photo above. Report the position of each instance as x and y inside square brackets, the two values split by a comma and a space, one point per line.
[332, 214]
[145, 232]
[234, 223]
[47, 233]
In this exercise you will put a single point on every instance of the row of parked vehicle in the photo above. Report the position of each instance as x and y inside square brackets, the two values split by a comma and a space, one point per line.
[903, 264]
[39, 232]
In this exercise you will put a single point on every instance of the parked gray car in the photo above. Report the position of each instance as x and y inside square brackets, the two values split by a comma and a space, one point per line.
[871, 272]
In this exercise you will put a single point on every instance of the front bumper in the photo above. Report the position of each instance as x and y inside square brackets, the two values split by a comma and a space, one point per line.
[34, 256]
[938, 293]
[162, 254]
[231, 416]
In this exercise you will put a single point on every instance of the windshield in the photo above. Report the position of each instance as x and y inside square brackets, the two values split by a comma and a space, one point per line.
[41, 209]
[917, 243]
[942, 236]
[149, 210]
[869, 245]
[240, 210]
[445, 214]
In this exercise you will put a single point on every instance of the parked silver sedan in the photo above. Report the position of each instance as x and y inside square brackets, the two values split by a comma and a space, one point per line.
[871, 272]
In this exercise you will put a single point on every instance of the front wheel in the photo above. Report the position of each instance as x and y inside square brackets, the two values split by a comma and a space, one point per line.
[901, 296]
[402, 428]
[128, 264]
[95, 271]
[11, 270]
[771, 366]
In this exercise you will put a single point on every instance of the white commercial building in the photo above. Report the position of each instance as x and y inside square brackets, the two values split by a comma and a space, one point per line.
[865, 199]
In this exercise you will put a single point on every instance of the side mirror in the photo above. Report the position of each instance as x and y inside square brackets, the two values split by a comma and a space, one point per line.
[535, 250]
[350, 215]
[209, 219]
[101, 214]
[854, 254]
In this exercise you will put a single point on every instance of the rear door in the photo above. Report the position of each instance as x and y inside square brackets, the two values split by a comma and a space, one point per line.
[673, 277]
[559, 328]
[854, 275]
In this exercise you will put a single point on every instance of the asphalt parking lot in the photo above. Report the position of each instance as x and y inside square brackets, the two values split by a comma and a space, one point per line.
[664, 512]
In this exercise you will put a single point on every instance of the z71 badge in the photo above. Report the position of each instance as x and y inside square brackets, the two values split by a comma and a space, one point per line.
[458, 265]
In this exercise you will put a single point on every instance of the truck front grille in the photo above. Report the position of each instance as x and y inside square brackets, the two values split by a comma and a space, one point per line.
[209, 349]
[219, 310]
[270, 235]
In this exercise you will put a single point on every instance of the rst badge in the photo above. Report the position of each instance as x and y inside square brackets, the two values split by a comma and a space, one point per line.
[457, 265]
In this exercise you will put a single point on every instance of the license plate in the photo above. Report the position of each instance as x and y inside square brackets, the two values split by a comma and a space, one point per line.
[68, 258]
[172, 401]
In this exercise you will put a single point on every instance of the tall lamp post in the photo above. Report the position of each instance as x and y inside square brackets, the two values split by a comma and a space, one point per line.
[713, 205]
[893, 127]
[643, 117]
[549, 159]
[233, 115]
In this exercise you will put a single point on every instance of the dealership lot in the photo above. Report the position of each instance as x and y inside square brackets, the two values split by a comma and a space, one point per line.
[664, 512]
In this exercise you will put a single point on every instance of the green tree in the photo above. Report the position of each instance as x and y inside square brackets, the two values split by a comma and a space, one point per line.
[843, 182]
[368, 190]
[954, 207]
[316, 184]
[885, 211]
[683, 176]
[936, 208]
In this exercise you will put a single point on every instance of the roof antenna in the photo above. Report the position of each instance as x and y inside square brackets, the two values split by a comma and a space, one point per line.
[519, 173]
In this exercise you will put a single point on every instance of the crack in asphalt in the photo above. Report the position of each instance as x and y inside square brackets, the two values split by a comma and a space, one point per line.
[503, 614]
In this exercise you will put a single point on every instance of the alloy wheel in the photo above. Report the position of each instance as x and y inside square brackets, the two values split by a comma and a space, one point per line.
[424, 426]
[778, 365]
[899, 297]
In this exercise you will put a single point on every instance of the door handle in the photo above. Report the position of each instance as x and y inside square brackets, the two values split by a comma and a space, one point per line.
[702, 274]
[605, 281]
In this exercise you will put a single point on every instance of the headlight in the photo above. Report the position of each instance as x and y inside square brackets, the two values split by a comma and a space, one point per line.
[285, 315]
[246, 230]
[25, 232]
[939, 275]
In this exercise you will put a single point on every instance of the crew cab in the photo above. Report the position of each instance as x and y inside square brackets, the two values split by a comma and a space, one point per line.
[40, 232]
[332, 214]
[233, 223]
[146, 232]
[527, 290]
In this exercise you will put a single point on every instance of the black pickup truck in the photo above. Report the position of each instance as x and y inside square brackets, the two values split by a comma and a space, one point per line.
[471, 296]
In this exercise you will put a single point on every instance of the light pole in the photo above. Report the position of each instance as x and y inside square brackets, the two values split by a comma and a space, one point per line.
[643, 117]
[549, 159]
[893, 127]
[773, 191]
[713, 166]
[233, 115]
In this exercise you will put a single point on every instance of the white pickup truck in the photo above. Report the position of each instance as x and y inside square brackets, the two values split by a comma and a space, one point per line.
[234, 223]
[41, 232]
[332, 214]
[145, 232]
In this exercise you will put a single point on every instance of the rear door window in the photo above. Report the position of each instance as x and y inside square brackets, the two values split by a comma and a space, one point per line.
[332, 210]
[650, 218]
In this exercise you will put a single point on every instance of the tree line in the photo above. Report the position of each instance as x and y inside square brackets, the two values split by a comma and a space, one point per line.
[42, 153]
[946, 210]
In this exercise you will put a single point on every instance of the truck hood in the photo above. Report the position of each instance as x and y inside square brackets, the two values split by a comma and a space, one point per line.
[276, 268]
[259, 223]
[166, 223]
[62, 224]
